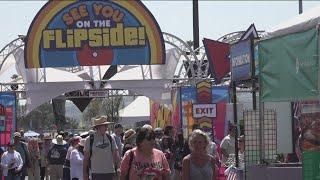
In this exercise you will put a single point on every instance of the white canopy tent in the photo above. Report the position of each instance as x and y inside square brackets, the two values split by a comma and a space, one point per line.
[45, 84]
[137, 110]
[31, 134]
[298, 23]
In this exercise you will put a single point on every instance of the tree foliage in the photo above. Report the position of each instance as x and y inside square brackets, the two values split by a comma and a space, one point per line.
[103, 107]
[42, 118]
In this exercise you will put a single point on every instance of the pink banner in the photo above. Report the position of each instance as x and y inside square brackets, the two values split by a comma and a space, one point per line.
[8, 104]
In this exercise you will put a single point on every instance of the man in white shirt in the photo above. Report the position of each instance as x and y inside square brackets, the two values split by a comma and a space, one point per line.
[100, 153]
[12, 163]
[228, 143]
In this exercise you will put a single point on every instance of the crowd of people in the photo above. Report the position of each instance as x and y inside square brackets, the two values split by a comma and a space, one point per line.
[143, 153]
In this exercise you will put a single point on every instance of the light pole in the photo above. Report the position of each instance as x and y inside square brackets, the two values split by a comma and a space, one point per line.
[300, 7]
[195, 8]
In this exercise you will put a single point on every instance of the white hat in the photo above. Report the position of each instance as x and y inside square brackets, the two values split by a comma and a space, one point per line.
[59, 140]
[82, 142]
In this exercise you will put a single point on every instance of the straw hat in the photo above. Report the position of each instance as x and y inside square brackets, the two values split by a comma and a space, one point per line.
[17, 134]
[59, 140]
[100, 121]
[129, 134]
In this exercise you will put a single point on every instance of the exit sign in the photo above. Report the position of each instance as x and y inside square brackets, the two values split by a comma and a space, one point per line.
[204, 110]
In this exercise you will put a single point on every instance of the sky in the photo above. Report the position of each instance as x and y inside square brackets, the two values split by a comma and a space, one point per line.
[216, 18]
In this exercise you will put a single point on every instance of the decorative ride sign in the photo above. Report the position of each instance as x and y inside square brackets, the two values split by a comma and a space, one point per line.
[204, 110]
[89, 33]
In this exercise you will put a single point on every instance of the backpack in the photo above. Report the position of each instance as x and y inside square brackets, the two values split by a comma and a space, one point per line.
[91, 144]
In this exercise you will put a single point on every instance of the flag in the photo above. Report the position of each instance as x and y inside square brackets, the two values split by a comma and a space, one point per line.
[251, 31]
[217, 54]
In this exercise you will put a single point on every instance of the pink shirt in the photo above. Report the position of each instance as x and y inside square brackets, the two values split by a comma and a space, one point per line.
[142, 168]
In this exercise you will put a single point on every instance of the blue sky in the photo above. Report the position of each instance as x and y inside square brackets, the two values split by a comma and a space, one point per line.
[217, 18]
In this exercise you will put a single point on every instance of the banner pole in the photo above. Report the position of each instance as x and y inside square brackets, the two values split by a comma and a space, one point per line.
[253, 74]
[234, 95]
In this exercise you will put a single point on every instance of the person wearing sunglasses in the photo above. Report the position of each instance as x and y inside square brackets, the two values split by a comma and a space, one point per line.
[144, 161]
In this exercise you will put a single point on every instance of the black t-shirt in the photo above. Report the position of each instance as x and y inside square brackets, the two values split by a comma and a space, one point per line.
[57, 155]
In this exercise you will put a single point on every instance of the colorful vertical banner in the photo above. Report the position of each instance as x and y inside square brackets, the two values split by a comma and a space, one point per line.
[176, 107]
[8, 104]
[188, 97]
[240, 55]
[154, 106]
[204, 110]
[160, 115]
[217, 53]
[2, 118]
[220, 97]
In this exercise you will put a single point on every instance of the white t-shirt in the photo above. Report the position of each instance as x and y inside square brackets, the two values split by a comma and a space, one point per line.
[76, 164]
[7, 158]
[70, 149]
[227, 144]
[102, 157]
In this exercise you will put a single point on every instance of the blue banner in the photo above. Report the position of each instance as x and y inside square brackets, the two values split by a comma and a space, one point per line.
[241, 60]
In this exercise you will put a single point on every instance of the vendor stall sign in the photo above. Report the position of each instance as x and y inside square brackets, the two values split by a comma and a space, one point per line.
[241, 57]
[97, 94]
[90, 33]
[204, 110]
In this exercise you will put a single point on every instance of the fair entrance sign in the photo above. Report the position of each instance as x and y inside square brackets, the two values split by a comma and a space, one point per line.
[90, 33]
[204, 110]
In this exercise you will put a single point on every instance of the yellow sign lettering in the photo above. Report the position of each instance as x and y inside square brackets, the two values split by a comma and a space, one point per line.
[79, 36]
[95, 37]
[131, 36]
[117, 35]
[48, 36]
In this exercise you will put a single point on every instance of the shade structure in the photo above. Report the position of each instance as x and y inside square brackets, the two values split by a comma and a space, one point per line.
[31, 134]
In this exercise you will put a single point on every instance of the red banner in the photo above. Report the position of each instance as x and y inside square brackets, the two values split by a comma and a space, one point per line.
[217, 53]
